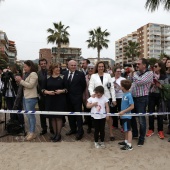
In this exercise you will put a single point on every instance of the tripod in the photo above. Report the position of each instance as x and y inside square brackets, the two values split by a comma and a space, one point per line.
[16, 121]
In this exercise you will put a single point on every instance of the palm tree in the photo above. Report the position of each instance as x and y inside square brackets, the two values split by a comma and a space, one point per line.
[162, 55]
[58, 35]
[3, 62]
[132, 50]
[98, 40]
[152, 5]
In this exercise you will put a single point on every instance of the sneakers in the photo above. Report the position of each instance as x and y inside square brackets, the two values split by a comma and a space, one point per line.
[96, 144]
[149, 133]
[161, 135]
[102, 145]
[122, 143]
[99, 145]
[127, 147]
[140, 143]
[30, 136]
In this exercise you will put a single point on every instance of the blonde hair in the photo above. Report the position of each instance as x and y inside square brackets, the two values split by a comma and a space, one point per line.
[52, 67]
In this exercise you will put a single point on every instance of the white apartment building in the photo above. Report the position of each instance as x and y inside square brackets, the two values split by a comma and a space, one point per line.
[154, 39]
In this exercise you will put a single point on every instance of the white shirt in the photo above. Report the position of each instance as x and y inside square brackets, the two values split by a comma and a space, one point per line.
[117, 85]
[72, 75]
[100, 108]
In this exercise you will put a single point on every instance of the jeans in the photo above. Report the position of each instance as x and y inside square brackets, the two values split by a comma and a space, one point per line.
[29, 105]
[140, 107]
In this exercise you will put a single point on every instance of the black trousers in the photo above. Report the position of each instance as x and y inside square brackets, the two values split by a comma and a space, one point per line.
[154, 101]
[75, 122]
[99, 127]
[0, 100]
[88, 119]
[116, 109]
[41, 104]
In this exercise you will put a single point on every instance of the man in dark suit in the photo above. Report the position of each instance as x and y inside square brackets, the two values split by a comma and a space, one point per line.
[42, 76]
[85, 63]
[84, 70]
[75, 82]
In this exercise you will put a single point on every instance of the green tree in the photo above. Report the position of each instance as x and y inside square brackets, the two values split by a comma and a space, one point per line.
[162, 55]
[98, 40]
[132, 50]
[152, 5]
[152, 61]
[3, 63]
[58, 35]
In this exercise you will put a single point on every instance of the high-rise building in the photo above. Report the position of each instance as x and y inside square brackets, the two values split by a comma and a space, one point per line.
[7, 48]
[120, 48]
[154, 39]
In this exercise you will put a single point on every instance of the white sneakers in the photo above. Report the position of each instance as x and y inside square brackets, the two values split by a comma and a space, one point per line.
[99, 145]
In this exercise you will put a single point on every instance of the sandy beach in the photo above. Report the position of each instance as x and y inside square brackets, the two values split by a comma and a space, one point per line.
[154, 155]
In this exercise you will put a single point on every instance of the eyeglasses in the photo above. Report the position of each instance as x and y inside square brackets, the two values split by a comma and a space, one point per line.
[90, 68]
[155, 66]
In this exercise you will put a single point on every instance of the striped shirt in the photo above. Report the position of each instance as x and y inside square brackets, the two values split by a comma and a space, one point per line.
[141, 83]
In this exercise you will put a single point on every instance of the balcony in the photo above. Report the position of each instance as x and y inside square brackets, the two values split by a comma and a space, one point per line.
[3, 38]
[68, 51]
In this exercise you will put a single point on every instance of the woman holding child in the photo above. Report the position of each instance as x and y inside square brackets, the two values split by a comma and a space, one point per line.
[101, 78]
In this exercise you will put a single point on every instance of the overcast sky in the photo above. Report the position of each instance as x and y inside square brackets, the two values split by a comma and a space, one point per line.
[26, 22]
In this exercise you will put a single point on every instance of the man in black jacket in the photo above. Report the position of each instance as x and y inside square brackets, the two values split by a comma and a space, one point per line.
[42, 76]
[75, 82]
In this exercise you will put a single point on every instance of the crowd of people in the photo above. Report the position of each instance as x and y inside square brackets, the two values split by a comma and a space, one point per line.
[95, 89]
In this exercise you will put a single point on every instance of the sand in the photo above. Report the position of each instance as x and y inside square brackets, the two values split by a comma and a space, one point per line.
[154, 155]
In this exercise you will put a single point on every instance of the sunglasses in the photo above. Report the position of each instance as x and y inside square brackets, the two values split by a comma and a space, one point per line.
[90, 68]
[155, 66]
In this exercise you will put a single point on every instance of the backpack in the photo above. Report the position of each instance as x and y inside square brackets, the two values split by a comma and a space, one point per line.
[14, 127]
[165, 92]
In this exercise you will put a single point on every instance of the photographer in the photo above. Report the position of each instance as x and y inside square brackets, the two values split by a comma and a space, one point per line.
[0, 93]
[9, 88]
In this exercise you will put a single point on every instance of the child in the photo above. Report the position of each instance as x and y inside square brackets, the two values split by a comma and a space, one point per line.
[126, 106]
[99, 104]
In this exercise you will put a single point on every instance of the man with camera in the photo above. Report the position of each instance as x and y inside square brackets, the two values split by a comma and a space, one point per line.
[9, 88]
[1, 93]
[142, 80]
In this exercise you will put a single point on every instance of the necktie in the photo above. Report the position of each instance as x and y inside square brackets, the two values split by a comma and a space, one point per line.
[70, 78]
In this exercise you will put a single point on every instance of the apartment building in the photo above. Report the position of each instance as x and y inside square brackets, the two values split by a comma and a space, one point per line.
[8, 49]
[154, 39]
[120, 48]
[65, 53]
